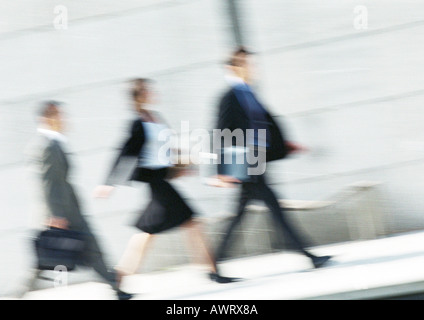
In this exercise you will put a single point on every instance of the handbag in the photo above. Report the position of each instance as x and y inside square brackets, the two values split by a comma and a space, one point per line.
[59, 247]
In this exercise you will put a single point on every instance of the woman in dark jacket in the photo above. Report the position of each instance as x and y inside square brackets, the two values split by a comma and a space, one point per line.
[166, 209]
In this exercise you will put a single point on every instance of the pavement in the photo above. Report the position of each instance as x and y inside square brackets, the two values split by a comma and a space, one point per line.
[384, 268]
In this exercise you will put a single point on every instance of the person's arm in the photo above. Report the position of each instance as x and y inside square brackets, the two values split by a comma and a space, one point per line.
[56, 187]
[225, 121]
[130, 150]
[226, 114]
[282, 144]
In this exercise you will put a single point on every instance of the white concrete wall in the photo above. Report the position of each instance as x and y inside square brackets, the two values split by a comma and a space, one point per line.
[355, 97]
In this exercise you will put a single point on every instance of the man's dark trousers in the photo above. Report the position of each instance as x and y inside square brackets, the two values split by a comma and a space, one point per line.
[257, 188]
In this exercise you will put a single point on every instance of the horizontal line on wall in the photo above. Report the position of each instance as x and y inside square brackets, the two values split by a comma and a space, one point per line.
[206, 63]
[352, 36]
[318, 177]
[101, 83]
[115, 14]
[340, 106]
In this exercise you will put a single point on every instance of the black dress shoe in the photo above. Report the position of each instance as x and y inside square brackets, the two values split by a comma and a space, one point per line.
[220, 279]
[123, 295]
[320, 261]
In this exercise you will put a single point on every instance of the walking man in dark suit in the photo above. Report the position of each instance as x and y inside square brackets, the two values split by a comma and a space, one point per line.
[59, 203]
[239, 109]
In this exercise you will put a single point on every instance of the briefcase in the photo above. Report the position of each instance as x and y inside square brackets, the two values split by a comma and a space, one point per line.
[59, 247]
[234, 163]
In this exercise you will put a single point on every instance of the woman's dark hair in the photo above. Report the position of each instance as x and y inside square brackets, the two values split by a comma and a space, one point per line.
[139, 88]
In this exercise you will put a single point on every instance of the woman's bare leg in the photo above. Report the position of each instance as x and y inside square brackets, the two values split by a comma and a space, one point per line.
[134, 254]
[197, 241]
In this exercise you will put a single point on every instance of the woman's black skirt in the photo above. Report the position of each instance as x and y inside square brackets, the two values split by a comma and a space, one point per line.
[167, 209]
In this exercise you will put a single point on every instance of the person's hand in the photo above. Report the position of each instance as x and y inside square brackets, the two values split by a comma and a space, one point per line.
[103, 191]
[59, 223]
[180, 171]
[295, 147]
[223, 181]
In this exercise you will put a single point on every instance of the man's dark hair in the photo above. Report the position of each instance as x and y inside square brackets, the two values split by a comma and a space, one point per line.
[235, 56]
[137, 82]
[49, 109]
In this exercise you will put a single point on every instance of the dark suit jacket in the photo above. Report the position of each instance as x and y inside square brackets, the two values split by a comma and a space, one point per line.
[58, 193]
[233, 116]
[126, 162]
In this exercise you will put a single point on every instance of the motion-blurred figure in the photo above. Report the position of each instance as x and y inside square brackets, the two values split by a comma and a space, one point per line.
[139, 160]
[60, 201]
[240, 109]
